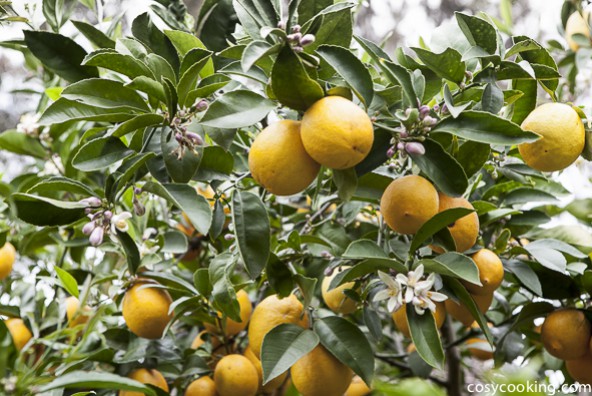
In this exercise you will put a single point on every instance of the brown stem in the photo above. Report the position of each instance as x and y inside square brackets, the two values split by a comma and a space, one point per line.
[453, 360]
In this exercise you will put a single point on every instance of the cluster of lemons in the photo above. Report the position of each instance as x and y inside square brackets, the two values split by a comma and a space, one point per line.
[566, 334]
[287, 155]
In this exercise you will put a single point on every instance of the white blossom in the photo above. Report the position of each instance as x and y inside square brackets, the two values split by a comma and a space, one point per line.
[119, 222]
[29, 124]
[419, 292]
[393, 292]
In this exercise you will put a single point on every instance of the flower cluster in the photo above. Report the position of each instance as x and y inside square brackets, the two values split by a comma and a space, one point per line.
[410, 288]
[103, 221]
[416, 123]
[298, 41]
[187, 140]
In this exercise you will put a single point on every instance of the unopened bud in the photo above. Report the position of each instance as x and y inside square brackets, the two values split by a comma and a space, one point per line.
[424, 111]
[137, 190]
[108, 214]
[298, 48]
[415, 148]
[96, 236]
[307, 39]
[469, 75]
[88, 228]
[400, 146]
[444, 109]
[436, 107]
[430, 121]
[296, 29]
[326, 255]
[281, 25]
[179, 137]
[404, 133]
[139, 209]
[328, 271]
[229, 237]
[202, 105]
[195, 138]
[93, 202]
[295, 37]
[390, 152]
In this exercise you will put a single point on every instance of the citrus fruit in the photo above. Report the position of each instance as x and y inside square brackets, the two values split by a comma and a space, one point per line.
[566, 334]
[232, 327]
[203, 386]
[202, 338]
[271, 385]
[19, 332]
[7, 257]
[235, 375]
[408, 202]
[273, 311]
[319, 373]
[357, 388]
[461, 313]
[75, 315]
[400, 318]
[580, 369]
[562, 137]
[146, 310]
[148, 377]
[465, 230]
[278, 160]
[576, 24]
[337, 133]
[491, 272]
[335, 298]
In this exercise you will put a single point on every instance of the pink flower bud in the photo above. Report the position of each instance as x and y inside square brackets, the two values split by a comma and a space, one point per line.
[307, 39]
[195, 138]
[298, 48]
[296, 29]
[202, 105]
[93, 202]
[436, 107]
[400, 146]
[229, 237]
[139, 209]
[96, 236]
[415, 148]
[88, 228]
[404, 133]
[390, 152]
[423, 111]
[108, 214]
[295, 37]
[179, 137]
[281, 25]
[430, 121]
[137, 190]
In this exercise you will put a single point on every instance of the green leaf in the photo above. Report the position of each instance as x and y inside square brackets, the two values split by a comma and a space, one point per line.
[455, 111]
[94, 35]
[453, 264]
[363, 249]
[522, 107]
[525, 275]
[485, 127]
[132, 254]
[181, 170]
[346, 181]
[255, 51]
[351, 69]
[521, 46]
[19, 143]
[126, 172]
[222, 290]
[437, 223]
[185, 42]
[96, 380]
[279, 276]
[153, 88]
[216, 164]
[64, 110]
[145, 31]
[67, 281]
[398, 75]
[493, 99]
[373, 50]
[61, 184]
[369, 266]
[478, 32]
[332, 26]
[442, 168]
[104, 93]
[138, 122]
[196, 60]
[120, 63]
[425, 336]
[60, 54]
[448, 64]
[290, 82]
[252, 231]
[43, 211]
[348, 344]
[186, 198]
[283, 346]
[472, 156]
[56, 12]
[307, 9]
[467, 300]
[100, 153]
[237, 109]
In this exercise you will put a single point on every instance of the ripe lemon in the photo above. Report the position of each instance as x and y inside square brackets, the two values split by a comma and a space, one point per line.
[357, 388]
[335, 299]
[203, 386]
[337, 133]
[148, 377]
[400, 318]
[576, 24]
[278, 160]
[566, 334]
[7, 257]
[200, 340]
[465, 230]
[232, 327]
[491, 272]
[19, 332]
[462, 313]
[580, 369]
[562, 137]
[273, 311]
[235, 375]
[76, 317]
[271, 385]
[319, 373]
[408, 202]
[481, 349]
[146, 310]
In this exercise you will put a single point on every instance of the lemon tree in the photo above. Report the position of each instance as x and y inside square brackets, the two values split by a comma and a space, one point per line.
[253, 199]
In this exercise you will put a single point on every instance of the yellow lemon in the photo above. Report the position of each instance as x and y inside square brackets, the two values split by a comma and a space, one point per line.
[273, 311]
[19, 332]
[562, 137]
[480, 348]
[400, 318]
[146, 310]
[336, 299]
[278, 160]
[337, 133]
[357, 388]
[462, 313]
[566, 334]
[271, 385]
[7, 257]
[148, 377]
[235, 375]
[203, 386]
[465, 230]
[232, 327]
[576, 24]
[408, 202]
[580, 369]
[319, 373]
[200, 339]
[491, 272]
[74, 314]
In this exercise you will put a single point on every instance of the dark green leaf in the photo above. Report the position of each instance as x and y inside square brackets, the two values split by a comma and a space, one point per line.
[435, 224]
[19, 143]
[43, 211]
[448, 64]
[97, 380]
[94, 35]
[132, 254]
[478, 32]
[64, 110]
[455, 265]
[100, 154]
[237, 109]
[144, 30]
[425, 336]
[68, 281]
[120, 63]
[100, 92]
